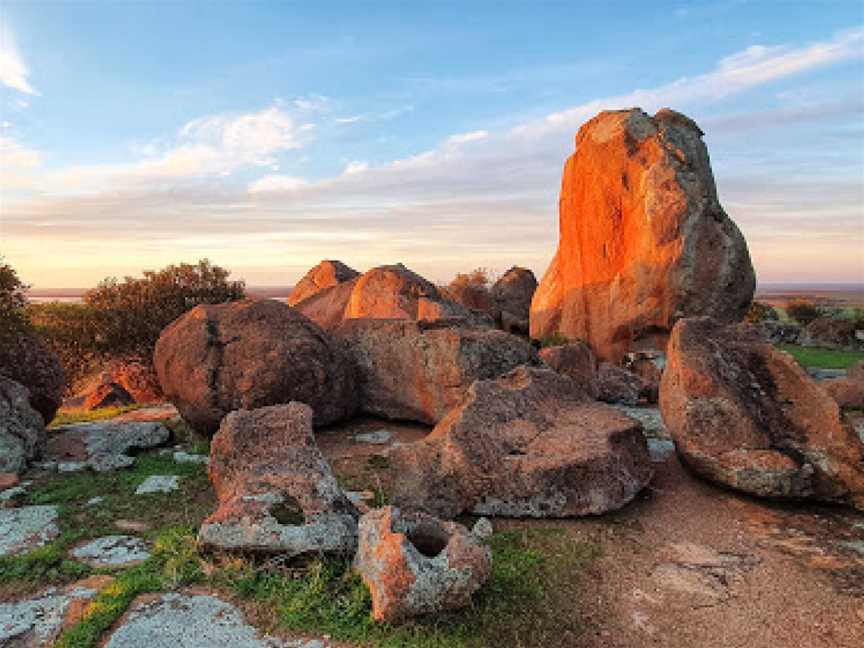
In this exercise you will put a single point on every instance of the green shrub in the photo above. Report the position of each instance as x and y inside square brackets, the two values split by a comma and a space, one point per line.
[802, 311]
[13, 302]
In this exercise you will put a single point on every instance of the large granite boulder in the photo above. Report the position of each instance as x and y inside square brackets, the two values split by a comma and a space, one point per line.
[511, 299]
[747, 416]
[277, 493]
[416, 564]
[324, 275]
[248, 354]
[644, 240]
[27, 360]
[576, 361]
[528, 444]
[420, 370]
[22, 430]
[395, 292]
[327, 307]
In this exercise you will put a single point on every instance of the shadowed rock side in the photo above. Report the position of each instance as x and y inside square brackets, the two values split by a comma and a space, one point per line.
[22, 430]
[324, 275]
[416, 564]
[746, 415]
[529, 444]
[577, 362]
[511, 299]
[27, 360]
[643, 238]
[243, 355]
[418, 371]
[277, 493]
[327, 307]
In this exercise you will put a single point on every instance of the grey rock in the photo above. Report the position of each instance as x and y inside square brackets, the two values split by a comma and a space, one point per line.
[11, 493]
[26, 528]
[37, 622]
[483, 529]
[378, 437]
[660, 449]
[22, 429]
[95, 501]
[112, 552]
[189, 621]
[158, 484]
[186, 458]
[103, 446]
[649, 417]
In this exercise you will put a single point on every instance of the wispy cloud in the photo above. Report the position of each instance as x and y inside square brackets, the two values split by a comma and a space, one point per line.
[14, 72]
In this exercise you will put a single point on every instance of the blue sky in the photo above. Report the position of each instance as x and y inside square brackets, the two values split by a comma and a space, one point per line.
[267, 136]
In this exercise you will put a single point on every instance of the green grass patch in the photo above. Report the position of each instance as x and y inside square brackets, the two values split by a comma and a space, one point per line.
[174, 563]
[823, 358]
[67, 417]
[46, 565]
[530, 599]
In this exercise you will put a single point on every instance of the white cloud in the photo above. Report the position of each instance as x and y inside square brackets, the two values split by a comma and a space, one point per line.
[277, 183]
[14, 72]
[355, 166]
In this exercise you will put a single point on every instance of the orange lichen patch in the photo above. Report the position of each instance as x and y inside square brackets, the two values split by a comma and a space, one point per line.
[80, 608]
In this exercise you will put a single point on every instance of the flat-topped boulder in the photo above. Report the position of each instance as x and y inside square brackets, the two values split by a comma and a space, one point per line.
[104, 445]
[420, 370]
[747, 416]
[644, 240]
[527, 444]
[242, 355]
[325, 275]
[277, 493]
[22, 429]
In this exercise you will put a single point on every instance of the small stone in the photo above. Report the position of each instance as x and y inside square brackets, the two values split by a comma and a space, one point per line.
[186, 458]
[483, 528]
[378, 437]
[26, 528]
[660, 449]
[158, 484]
[95, 501]
[12, 493]
[132, 526]
[112, 552]
[71, 466]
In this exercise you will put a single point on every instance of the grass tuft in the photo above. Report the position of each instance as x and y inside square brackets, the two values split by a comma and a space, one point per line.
[68, 417]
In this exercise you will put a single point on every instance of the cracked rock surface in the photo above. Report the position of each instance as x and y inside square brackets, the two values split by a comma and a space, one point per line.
[26, 528]
[104, 445]
[112, 552]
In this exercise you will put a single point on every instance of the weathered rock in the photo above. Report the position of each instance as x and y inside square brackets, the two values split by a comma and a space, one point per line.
[276, 491]
[648, 365]
[158, 484]
[856, 372]
[617, 385]
[577, 362]
[847, 393]
[22, 429]
[243, 355]
[511, 299]
[648, 416]
[529, 444]
[191, 621]
[107, 394]
[324, 275]
[395, 292]
[112, 552]
[327, 307]
[37, 622]
[829, 332]
[415, 564]
[27, 360]
[186, 458]
[747, 416]
[419, 370]
[138, 377]
[104, 445]
[644, 240]
[8, 480]
[780, 332]
[26, 528]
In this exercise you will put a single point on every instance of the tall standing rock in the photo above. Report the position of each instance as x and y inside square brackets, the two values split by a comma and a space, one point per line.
[748, 416]
[511, 299]
[643, 238]
[249, 354]
[324, 275]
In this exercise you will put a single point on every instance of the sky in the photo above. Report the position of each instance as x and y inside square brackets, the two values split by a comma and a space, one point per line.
[268, 136]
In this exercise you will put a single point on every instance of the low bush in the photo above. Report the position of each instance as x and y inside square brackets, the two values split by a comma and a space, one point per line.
[760, 312]
[803, 311]
[471, 290]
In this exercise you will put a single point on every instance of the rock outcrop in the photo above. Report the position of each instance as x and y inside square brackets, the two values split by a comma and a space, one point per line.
[747, 416]
[511, 299]
[22, 430]
[419, 370]
[244, 355]
[848, 391]
[395, 292]
[324, 275]
[103, 445]
[106, 394]
[277, 493]
[416, 564]
[577, 362]
[618, 385]
[529, 444]
[327, 307]
[27, 360]
[643, 238]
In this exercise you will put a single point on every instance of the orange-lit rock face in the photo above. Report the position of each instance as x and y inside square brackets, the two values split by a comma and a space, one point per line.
[324, 275]
[643, 238]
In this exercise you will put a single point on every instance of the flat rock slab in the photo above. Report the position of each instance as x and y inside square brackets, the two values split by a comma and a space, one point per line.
[103, 446]
[112, 552]
[158, 484]
[26, 528]
[192, 621]
[649, 417]
[187, 458]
